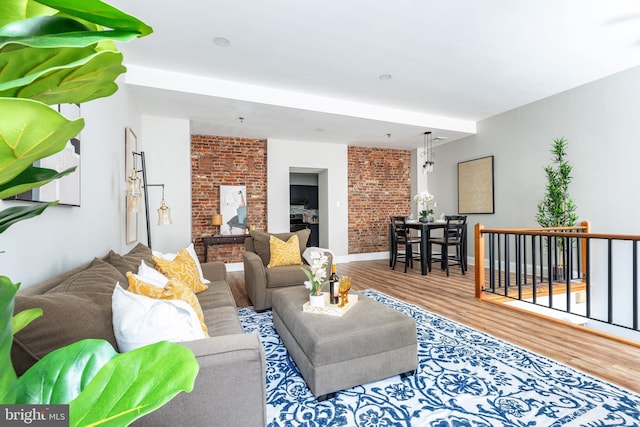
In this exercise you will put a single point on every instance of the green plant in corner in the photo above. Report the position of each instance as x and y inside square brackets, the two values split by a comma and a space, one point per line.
[55, 52]
[557, 209]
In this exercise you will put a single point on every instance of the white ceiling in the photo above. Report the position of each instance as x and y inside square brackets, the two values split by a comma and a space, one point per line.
[309, 70]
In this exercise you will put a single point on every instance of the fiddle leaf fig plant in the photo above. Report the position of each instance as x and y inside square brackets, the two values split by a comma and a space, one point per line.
[56, 52]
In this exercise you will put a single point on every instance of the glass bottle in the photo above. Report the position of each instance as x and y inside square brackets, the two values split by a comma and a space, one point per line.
[334, 285]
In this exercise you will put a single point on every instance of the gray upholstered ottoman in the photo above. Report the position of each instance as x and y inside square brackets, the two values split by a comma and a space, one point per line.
[369, 342]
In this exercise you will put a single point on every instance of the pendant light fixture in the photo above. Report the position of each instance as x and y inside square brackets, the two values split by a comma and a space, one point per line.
[427, 153]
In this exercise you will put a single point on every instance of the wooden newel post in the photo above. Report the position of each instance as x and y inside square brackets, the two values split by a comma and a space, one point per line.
[587, 229]
[479, 258]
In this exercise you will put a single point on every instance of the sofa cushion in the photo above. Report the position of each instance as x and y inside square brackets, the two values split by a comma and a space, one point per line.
[183, 269]
[194, 256]
[224, 321]
[140, 320]
[288, 275]
[151, 275]
[261, 242]
[131, 260]
[99, 276]
[173, 290]
[218, 295]
[67, 318]
[284, 253]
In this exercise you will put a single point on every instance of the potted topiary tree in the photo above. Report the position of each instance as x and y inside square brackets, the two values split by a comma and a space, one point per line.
[558, 209]
[57, 52]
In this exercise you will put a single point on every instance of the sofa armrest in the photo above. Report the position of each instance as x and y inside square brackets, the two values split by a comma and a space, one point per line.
[214, 271]
[230, 389]
[255, 280]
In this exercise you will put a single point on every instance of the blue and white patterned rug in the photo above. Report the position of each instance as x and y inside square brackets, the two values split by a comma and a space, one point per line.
[464, 378]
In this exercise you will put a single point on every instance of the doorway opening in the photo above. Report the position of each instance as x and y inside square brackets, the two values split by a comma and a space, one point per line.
[308, 203]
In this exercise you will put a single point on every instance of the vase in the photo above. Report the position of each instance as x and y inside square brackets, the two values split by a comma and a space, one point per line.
[316, 300]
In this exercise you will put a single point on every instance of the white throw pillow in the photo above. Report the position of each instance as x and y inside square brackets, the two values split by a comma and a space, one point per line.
[192, 252]
[151, 275]
[140, 320]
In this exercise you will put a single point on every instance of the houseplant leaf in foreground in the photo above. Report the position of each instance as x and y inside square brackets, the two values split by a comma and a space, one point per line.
[14, 214]
[59, 75]
[7, 373]
[100, 13]
[29, 131]
[61, 375]
[135, 383]
[30, 178]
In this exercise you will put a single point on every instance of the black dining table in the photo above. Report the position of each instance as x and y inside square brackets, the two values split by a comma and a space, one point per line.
[425, 233]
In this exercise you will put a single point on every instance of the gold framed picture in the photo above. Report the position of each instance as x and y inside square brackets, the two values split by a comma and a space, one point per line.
[475, 186]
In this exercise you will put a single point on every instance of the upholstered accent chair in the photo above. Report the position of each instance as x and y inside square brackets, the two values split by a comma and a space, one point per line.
[260, 279]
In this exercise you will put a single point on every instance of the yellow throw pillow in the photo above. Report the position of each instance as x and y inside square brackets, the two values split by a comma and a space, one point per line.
[284, 253]
[183, 269]
[172, 290]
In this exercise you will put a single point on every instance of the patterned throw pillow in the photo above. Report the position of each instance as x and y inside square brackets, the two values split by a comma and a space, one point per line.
[174, 290]
[182, 269]
[284, 253]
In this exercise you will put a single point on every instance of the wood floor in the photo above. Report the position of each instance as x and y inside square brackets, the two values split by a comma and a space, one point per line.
[453, 297]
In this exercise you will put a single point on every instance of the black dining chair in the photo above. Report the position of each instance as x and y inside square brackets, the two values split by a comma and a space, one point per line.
[402, 243]
[452, 236]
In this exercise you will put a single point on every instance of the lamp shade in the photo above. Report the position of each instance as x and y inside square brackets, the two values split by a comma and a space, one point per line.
[164, 214]
[216, 219]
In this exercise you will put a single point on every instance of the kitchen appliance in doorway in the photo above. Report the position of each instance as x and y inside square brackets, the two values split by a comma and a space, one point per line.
[298, 222]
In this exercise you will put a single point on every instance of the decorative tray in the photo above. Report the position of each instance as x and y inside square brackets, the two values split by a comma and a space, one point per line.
[330, 309]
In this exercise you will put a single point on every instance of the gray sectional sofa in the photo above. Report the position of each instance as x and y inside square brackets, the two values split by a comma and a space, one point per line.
[230, 387]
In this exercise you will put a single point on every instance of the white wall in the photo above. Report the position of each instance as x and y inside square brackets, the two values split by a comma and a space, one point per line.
[282, 155]
[64, 237]
[167, 146]
[600, 122]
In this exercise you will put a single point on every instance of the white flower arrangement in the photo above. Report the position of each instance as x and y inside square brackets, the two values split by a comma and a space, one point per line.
[318, 273]
[425, 203]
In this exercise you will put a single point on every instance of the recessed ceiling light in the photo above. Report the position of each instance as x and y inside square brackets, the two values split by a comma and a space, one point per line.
[221, 41]
[385, 77]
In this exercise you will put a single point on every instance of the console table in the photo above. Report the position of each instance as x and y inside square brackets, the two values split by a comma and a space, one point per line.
[221, 240]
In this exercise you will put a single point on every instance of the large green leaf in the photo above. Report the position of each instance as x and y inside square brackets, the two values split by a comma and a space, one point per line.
[58, 76]
[29, 131]
[135, 383]
[22, 319]
[7, 374]
[93, 11]
[19, 67]
[14, 10]
[100, 13]
[63, 374]
[77, 39]
[15, 214]
[31, 177]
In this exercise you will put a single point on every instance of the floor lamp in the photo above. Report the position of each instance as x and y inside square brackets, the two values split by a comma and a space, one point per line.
[135, 186]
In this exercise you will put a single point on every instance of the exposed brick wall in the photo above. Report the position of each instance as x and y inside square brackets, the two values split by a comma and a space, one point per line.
[216, 161]
[379, 186]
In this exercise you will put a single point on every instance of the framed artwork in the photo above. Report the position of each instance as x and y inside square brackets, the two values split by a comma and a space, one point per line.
[131, 220]
[66, 189]
[475, 186]
[233, 208]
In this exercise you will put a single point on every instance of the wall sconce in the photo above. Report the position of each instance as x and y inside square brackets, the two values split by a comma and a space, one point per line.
[429, 162]
[135, 188]
[216, 219]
